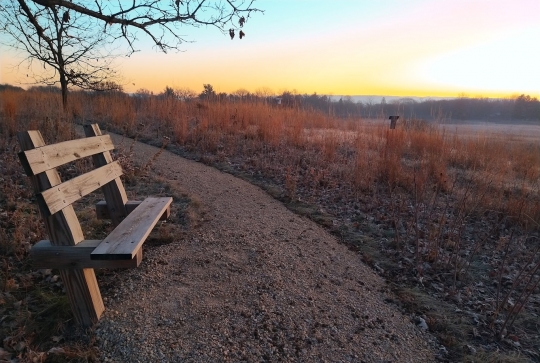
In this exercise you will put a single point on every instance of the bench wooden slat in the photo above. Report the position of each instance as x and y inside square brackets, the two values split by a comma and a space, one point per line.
[127, 238]
[102, 210]
[51, 156]
[46, 255]
[56, 198]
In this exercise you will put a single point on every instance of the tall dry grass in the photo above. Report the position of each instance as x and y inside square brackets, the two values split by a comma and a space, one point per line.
[463, 207]
[358, 154]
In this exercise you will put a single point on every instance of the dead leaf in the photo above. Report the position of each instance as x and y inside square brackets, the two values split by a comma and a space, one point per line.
[56, 350]
[4, 354]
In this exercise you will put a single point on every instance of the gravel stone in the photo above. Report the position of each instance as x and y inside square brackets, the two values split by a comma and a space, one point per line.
[254, 283]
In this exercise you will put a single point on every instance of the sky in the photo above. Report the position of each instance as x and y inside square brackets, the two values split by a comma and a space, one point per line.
[438, 48]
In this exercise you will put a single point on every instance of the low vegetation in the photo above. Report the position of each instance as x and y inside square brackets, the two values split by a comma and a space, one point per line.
[36, 324]
[452, 221]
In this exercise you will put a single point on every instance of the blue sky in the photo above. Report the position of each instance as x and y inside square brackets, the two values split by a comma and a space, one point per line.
[385, 47]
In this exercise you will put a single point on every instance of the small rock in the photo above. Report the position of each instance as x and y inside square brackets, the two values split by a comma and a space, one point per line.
[471, 349]
[46, 272]
[421, 323]
[19, 347]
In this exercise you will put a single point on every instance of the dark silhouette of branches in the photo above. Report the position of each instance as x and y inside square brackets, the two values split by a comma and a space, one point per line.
[160, 20]
[77, 41]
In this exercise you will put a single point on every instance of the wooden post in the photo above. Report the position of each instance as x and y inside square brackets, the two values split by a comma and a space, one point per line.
[115, 194]
[393, 121]
[64, 230]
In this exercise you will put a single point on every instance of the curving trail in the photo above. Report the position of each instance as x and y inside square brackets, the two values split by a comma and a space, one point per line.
[254, 283]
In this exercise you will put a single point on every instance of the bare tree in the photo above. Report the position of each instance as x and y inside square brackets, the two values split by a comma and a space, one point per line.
[241, 93]
[77, 41]
[185, 94]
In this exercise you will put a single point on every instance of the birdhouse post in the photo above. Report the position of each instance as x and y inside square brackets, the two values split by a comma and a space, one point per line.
[393, 121]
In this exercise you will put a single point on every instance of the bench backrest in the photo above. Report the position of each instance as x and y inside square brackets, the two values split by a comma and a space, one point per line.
[55, 198]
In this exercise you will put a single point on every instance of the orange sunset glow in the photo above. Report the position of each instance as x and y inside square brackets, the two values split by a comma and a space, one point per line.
[415, 48]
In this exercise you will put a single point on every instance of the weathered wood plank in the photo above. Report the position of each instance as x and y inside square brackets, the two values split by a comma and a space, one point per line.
[114, 192]
[64, 229]
[102, 212]
[51, 156]
[46, 255]
[83, 294]
[127, 238]
[62, 195]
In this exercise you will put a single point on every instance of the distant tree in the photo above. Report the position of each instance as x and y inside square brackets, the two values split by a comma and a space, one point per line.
[143, 93]
[208, 92]
[108, 86]
[46, 89]
[72, 39]
[221, 96]
[168, 92]
[241, 93]
[369, 103]
[185, 94]
[8, 87]
[291, 99]
[526, 108]
[264, 92]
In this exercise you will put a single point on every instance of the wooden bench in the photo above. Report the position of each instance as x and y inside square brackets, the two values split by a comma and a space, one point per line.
[67, 249]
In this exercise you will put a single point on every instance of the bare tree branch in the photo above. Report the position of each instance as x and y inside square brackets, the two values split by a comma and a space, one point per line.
[72, 39]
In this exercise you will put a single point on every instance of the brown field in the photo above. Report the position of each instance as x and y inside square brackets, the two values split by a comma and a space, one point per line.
[449, 214]
[527, 133]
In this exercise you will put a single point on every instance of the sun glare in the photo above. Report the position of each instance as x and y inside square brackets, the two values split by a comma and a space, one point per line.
[418, 48]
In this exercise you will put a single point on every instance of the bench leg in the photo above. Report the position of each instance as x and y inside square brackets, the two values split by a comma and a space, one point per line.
[84, 296]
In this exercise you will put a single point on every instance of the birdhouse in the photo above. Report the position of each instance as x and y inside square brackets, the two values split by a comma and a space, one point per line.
[393, 121]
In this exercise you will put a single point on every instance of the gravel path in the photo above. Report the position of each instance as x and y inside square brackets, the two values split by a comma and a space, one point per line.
[254, 283]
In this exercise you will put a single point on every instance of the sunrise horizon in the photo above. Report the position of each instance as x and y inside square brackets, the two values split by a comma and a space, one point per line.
[131, 89]
[446, 49]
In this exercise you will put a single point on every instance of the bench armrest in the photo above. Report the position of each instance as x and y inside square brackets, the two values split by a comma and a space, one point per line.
[46, 255]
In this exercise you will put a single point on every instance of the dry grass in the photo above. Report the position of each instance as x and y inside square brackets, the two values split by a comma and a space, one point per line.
[456, 217]
[36, 324]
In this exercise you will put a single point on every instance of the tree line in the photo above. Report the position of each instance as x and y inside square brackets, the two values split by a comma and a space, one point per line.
[520, 108]
[523, 108]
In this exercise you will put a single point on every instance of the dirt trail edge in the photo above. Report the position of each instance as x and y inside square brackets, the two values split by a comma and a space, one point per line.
[254, 283]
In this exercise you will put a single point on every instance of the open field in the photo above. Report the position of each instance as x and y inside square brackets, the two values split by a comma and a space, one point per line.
[449, 214]
[527, 133]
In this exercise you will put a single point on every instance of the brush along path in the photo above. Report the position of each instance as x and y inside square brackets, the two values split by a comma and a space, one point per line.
[254, 283]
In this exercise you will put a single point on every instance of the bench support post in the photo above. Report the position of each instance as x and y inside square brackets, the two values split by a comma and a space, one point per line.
[64, 230]
[114, 191]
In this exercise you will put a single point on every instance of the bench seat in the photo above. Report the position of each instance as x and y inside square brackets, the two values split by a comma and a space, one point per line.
[127, 238]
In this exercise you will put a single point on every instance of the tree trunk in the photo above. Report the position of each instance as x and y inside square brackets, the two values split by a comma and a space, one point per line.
[60, 58]
[64, 85]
